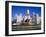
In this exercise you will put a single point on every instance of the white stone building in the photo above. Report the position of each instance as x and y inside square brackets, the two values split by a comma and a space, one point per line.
[19, 19]
[38, 19]
[34, 21]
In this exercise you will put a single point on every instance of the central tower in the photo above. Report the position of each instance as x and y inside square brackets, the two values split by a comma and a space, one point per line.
[27, 12]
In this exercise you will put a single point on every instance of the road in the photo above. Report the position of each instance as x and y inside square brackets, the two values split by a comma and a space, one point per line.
[21, 28]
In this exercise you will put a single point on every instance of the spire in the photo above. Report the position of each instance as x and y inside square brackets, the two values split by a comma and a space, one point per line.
[33, 13]
[37, 15]
[20, 14]
[16, 15]
[27, 11]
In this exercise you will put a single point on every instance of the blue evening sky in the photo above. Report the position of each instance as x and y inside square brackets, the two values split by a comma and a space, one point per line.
[23, 10]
